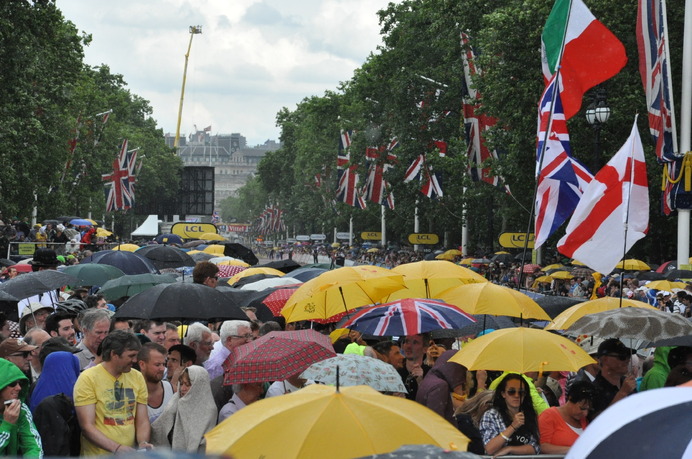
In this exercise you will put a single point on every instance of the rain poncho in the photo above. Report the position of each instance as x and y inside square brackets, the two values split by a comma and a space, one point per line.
[656, 377]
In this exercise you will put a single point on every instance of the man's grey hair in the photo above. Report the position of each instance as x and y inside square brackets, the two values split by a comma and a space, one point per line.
[92, 316]
[195, 332]
[230, 327]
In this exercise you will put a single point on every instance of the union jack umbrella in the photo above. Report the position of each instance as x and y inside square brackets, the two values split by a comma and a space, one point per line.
[276, 356]
[408, 316]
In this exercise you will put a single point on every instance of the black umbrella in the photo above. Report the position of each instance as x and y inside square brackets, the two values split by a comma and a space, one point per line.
[679, 274]
[166, 256]
[685, 340]
[180, 301]
[285, 266]
[5, 262]
[37, 282]
[235, 250]
[485, 322]
[127, 262]
[241, 298]
[4, 296]
[650, 275]
[203, 256]
[305, 274]
[503, 258]
[52, 222]
[554, 305]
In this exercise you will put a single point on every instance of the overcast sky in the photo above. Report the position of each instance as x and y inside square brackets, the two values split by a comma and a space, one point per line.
[252, 58]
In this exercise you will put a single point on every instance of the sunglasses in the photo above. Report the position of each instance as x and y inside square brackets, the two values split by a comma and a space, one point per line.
[24, 354]
[118, 391]
[13, 384]
[512, 392]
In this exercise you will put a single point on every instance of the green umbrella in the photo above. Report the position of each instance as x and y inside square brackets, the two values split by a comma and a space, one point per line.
[93, 274]
[130, 285]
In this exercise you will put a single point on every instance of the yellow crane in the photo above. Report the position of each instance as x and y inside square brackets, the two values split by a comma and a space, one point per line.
[194, 30]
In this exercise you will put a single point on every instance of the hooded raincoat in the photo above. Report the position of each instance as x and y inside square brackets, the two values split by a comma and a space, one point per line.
[20, 438]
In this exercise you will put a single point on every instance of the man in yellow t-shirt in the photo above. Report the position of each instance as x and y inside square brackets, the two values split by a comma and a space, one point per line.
[111, 400]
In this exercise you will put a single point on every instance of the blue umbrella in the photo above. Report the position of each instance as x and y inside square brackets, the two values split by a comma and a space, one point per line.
[81, 222]
[127, 262]
[408, 316]
[169, 239]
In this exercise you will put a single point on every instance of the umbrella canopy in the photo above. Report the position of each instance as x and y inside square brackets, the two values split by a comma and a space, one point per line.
[647, 324]
[252, 271]
[667, 266]
[373, 250]
[679, 274]
[426, 279]
[466, 262]
[270, 283]
[581, 271]
[67, 219]
[31, 284]
[102, 232]
[126, 247]
[489, 298]
[531, 268]
[130, 285]
[644, 425]
[665, 285]
[276, 356]
[685, 340]
[285, 266]
[632, 264]
[351, 422]
[544, 279]
[650, 275]
[444, 256]
[228, 261]
[562, 275]
[166, 256]
[93, 274]
[212, 237]
[81, 222]
[356, 370]
[4, 296]
[409, 316]
[557, 266]
[341, 290]
[250, 279]
[305, 274]
[520, 350]
[127, 262]
[230, 270]
[215, 249]
[554, 305]
[202, 256]
[270, 302]
[423, 452]
[232, 249]
[503, 258]
[6, 262]
[566, 318]
[180, 301]
[483, 322]
[169, 239]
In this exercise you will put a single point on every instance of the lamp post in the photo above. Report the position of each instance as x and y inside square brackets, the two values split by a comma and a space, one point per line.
[597, 113]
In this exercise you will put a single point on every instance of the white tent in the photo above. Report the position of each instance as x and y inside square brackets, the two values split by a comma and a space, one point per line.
[150, 227]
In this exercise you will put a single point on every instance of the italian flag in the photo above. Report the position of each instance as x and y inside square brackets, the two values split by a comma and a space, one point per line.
[591, 55]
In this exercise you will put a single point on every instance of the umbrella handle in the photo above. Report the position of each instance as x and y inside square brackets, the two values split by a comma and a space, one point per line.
[337, 378]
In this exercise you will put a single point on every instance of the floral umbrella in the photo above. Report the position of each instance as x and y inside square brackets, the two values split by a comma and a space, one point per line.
[356, 370]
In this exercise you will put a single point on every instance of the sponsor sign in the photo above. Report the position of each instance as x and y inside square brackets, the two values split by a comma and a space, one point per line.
[419, 238]
[371, 236]
[516, 240]
[188, 230]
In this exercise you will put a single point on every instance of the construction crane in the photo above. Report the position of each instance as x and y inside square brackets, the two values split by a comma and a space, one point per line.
[194, 30]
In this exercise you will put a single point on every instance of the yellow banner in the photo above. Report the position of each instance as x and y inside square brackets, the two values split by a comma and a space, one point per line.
[417, 238]
[192, 230]
[371, 236]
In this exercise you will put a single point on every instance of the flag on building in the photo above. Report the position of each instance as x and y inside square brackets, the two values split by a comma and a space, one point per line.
[215, 217]
[477, 123]
[591, 53]
[613, 213]
[561, 178]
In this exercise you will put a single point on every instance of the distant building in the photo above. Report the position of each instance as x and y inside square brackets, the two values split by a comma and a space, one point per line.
[233, 161]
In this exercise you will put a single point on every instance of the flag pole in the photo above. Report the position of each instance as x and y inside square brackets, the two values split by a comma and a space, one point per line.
[627, 209]
[683, 248]
[556, 79]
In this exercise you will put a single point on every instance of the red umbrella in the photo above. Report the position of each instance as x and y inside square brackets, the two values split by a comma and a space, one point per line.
[276, 300]
[276, 356]
[230, 270]
[531, 268]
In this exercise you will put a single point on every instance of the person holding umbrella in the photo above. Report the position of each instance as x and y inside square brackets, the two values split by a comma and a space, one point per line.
[614, 382]
[511, 425]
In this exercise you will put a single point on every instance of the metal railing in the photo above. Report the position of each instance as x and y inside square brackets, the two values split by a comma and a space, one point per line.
[20, 250]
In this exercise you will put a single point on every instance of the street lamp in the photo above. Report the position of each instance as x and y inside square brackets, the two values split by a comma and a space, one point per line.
[597, 113]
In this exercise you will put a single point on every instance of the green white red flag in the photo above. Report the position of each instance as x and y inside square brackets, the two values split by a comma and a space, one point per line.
[591, 53]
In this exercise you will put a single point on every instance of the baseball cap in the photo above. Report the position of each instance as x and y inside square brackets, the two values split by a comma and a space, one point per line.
[12, 346]
[614, 346]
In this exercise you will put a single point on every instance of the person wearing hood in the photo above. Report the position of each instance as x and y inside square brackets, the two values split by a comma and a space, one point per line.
[657, 375]
[18, 434]
[442, 380]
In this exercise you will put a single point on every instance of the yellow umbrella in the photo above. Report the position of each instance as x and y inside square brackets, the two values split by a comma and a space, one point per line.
[212, 237]
[576, 312]
[489, 298]
[192, 252]
[252, 272]
[576, 263]
[339, 290]
[338, 333]
[214, 249]
[502, 252]
[426, 279]
[562, 275]
[520, 350]
[101, 232]
[373, 250]
[444, 256]
[454, 252]
[466, 262]
[236, 263]
[336, 244]
[544, 279]
[93, 222]
[126, 247]
[320, 421]
[553, 266]
[665, 285]
[632, 264]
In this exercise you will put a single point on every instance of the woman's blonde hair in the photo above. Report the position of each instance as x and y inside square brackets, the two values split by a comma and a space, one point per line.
[477, 405]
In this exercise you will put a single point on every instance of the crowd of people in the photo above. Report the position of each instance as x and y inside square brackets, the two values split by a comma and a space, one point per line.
[75, 380]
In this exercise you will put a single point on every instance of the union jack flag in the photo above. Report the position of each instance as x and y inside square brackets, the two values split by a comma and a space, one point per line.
[410, 316]
[119, 191]
[561, 178]
[430, 183]
[476, 123]
[347, 179]
[377, 189]
[655, 72]
[215, 217]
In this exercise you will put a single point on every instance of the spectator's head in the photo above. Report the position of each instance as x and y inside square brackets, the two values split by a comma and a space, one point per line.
[235, 333]
[17, 352]
[579, 399]
[152, 361]
[119, 350]
[206, 273]
[34, 315]
[95, 323]
[172, 336]
[614, 356]
[414, 347]
[44, 259]
[180, 356]
[60, 324]
[198, 337]
[4, 327]
[96, 301]
[269, 327]
[152, 329]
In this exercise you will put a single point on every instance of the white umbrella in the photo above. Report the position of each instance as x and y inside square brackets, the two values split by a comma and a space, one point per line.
[356, 370]
[270, 283]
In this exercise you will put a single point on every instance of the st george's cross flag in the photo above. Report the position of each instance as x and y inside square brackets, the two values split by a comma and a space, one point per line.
[613, 213]
[591, 53]
[561, 177]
